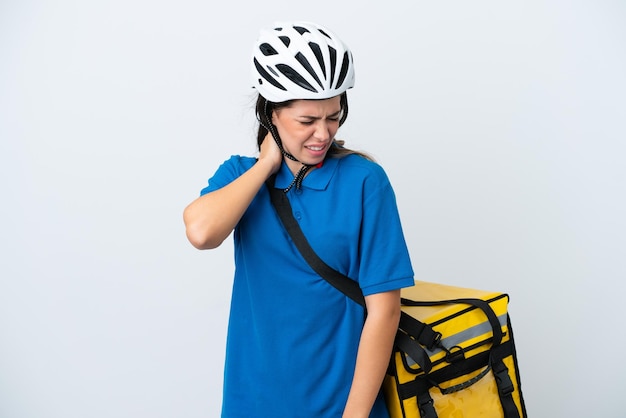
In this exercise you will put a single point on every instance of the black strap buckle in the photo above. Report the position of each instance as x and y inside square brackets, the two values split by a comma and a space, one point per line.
[427, 407]
[503, 380]
[436, 341]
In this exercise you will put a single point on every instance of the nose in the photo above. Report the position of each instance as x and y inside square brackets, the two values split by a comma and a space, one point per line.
[322, 130]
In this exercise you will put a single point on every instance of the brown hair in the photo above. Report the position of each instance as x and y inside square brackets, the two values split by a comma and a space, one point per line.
[264, 109]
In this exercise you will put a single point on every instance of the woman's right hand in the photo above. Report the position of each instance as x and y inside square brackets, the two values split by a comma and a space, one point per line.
[270, 153]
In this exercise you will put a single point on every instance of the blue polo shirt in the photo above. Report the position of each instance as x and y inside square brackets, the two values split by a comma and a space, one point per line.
[292, 337]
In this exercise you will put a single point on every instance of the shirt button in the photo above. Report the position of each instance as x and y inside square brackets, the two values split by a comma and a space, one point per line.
[298, 215]
[298, 191]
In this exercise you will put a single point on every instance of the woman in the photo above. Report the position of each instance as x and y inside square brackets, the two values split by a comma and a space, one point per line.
[298, 347]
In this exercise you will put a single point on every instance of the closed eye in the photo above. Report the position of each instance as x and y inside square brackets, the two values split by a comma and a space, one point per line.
[333, 118]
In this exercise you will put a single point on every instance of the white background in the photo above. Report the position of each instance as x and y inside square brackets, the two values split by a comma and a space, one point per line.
[500, 124]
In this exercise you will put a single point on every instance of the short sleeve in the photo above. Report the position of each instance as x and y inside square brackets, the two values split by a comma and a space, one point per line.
[384, 258]
[227, 172]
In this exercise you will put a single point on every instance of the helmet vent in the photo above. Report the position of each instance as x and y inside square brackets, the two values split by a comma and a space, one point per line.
[285, 40]
[318, 54]
[344, 70]
[273, 71]
[267, 49]
[305, 63]
[333, 63]
[325, 34]
[301, 30]
[293, 75]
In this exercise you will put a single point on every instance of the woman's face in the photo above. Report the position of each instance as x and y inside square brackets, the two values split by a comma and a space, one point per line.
[307, 129]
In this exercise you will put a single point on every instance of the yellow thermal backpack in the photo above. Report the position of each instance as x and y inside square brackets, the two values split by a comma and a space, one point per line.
[454, 356]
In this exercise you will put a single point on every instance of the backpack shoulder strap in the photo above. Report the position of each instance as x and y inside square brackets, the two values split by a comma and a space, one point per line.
[338, 280]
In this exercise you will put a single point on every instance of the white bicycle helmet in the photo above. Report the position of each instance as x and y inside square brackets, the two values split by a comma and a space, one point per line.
[301, 60]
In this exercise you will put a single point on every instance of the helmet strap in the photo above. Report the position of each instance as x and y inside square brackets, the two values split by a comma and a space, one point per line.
[272, 129]
[297, 180]
[299, 177]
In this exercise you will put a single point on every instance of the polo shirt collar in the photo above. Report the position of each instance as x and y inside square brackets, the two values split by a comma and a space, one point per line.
[317, 179]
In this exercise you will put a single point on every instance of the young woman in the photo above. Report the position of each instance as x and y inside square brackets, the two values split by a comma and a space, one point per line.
[298, 347]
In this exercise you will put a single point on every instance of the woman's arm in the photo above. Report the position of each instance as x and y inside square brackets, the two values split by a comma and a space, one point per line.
[379, 331]
[211, 218]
